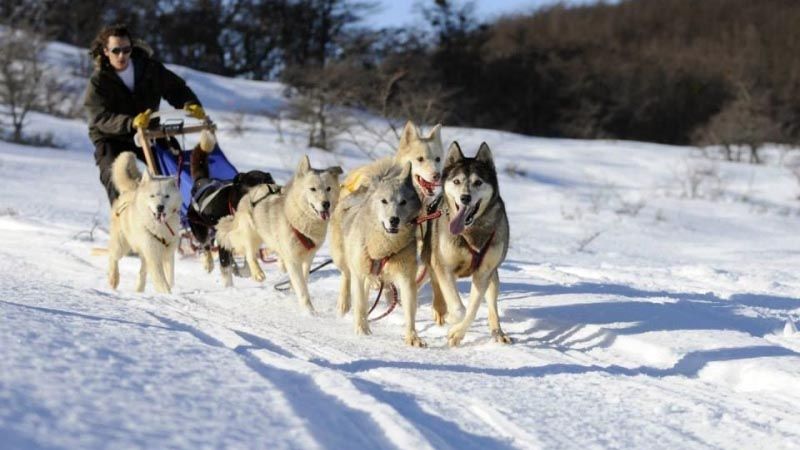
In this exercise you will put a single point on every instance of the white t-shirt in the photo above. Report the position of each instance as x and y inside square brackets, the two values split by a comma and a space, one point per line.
[127, 75]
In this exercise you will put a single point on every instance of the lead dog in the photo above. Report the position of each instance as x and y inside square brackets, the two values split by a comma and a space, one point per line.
[145, 219]
[469, 240]
[292, 223]
[374, 240]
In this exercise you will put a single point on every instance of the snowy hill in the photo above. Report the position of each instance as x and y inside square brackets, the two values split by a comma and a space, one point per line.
[650, 293]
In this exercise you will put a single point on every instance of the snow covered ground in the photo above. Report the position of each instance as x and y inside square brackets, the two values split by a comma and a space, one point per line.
[643, 316]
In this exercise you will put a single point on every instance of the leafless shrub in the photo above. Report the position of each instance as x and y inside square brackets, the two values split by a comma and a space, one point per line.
[742, 127]
[575, 213]
[234, 123]
[700, 178]
[629, 207]
[513, 170]
[586, 240]
[8, 212]
[21, 74]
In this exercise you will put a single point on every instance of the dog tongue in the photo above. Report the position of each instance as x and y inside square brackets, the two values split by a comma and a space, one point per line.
[457, 224]
[325, 215]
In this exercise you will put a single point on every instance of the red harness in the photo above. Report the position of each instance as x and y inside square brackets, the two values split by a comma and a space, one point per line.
[377, 265]
[478, 255]
[305, 240]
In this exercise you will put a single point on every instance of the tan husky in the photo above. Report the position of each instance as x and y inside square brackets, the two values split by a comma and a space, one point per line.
[469, 240]
[425, 154]
[374, 240]
[144, 218]
[291, 221]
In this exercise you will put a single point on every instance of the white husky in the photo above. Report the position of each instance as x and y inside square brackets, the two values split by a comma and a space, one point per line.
[374, 240]
[292, 223]
[425, 153]
[145, 219]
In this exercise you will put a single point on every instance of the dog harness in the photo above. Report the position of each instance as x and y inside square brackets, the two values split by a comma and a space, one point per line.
[478, 255]
[305, 240]
[159, 238]
[376, 265]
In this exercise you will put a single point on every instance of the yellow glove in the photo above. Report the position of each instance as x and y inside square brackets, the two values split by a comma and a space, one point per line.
[195, 110]
[142, 119]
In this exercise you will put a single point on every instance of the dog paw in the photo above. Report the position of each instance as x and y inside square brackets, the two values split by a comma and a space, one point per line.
[362, 329]
[308, 309]
[414, 341]
[163, 289]
[259, 275]
[438, 317]
[113, 280]
[455, 336]
[501, 337]
[343, 308]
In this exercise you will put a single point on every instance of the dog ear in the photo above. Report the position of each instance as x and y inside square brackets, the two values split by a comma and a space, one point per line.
[485, 155]
[435, 132]
[304, 166]
[406, 175]
[409, 134]
[145, 176]
[237, 179]
[454, 154]
[335, 171]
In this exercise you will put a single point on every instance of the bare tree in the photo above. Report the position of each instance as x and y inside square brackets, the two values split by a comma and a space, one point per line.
[21, 73]
[744, 123]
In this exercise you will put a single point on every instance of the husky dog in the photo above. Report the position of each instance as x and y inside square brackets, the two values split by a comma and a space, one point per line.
[292, 223]
[423, 152]
[213, 199]
[374, 240]
[470, 239]
[144, 218]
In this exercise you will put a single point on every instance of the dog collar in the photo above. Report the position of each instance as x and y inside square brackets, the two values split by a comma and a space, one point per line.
[305, 240]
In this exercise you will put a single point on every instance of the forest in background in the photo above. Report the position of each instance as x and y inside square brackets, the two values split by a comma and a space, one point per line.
[710, 72]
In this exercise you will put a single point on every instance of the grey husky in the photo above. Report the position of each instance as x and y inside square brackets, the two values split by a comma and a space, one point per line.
[374, 240]
[145, 219]
[469, 240]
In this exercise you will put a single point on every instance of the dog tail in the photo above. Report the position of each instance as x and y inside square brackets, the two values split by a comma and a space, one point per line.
[124, 173]
[199, 158]
[225, 227]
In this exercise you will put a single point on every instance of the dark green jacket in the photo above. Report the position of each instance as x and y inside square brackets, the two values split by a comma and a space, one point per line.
[111, 106]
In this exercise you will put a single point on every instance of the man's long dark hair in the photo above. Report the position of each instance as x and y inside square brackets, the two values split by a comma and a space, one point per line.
[100, 41]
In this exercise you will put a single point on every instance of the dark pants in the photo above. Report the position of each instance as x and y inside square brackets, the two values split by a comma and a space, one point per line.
[105, 152]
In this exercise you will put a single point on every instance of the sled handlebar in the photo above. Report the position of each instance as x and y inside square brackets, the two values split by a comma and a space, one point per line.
[144, 135]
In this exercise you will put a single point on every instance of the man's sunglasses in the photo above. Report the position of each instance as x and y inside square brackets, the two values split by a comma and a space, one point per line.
[118, 50]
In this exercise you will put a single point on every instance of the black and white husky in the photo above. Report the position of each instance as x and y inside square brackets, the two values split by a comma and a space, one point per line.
[470, 239]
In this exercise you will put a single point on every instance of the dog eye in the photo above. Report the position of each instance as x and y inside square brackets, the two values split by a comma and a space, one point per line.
[478, 182]
[437, 159]
[328, 189]
[166, 196]
[420, 159]
[313, 189]
[456, 182]
[402, 203]
[383, 200]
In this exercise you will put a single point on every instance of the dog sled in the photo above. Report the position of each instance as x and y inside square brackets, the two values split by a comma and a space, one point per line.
[166, 156]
